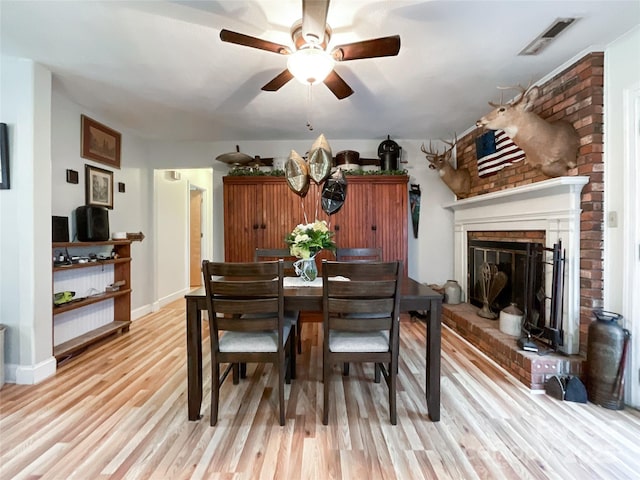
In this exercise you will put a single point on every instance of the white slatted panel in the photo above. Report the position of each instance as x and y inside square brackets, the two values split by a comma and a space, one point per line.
[85, 282]
[82, 320]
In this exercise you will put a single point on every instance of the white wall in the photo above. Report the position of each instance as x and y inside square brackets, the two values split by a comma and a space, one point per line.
[620, 75]
[25, 222]
[172, 230]
[622, 179]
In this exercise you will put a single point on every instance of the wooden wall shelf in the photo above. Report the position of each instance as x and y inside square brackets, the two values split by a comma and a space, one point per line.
[97, 263]
[79, 303]
[121, 298]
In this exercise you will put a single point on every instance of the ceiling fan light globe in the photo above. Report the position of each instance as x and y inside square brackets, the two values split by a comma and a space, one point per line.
[310, 64]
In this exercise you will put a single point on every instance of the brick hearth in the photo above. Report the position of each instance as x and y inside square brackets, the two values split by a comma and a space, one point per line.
[531, 368]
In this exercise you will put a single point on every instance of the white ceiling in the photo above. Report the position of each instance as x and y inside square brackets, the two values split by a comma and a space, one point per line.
[159, 69]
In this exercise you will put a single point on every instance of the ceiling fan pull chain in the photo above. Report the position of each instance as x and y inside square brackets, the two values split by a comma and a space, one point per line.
[309, 108]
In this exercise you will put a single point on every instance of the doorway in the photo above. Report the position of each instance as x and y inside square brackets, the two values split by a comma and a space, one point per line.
[173, 222]
[195, 237]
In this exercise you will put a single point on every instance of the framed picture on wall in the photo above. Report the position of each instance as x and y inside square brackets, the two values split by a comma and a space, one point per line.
[98, 187]
[4, 156]
[99, 142]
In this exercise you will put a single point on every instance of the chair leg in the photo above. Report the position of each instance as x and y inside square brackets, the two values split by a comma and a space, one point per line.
[392, 396]
[236, 373]
[299, 335]
[325, 388]
[376, 377]
[281, 375]
[243, 370]
[290, 359]
[215, 392]
[345, 369]
[392, 380]
[292, 355]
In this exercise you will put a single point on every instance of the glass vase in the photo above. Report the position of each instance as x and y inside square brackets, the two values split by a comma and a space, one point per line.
[306, 269]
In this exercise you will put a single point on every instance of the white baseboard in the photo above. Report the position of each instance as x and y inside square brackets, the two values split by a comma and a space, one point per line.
[141, 311]
[161, 302]
[30, 374]
[158, 304]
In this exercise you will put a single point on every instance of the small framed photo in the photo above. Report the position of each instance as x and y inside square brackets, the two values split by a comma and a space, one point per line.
[4, 157]
[99, 142]
[72, 176]
[98, 186]
[121, 187]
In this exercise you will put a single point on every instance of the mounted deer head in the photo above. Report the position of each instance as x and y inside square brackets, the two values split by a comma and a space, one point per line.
[459, 181]
[550, 147]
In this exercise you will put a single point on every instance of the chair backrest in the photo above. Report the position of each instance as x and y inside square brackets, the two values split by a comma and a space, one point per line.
[368, 301]
[270, 254]
[244, 296]
[359, 254]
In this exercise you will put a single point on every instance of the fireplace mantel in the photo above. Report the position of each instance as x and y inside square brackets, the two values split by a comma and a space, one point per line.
[552, 206]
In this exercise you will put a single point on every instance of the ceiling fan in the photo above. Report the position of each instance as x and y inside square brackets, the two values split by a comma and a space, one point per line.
[309, 60]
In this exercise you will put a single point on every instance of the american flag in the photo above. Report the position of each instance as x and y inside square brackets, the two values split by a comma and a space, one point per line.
[495, 150]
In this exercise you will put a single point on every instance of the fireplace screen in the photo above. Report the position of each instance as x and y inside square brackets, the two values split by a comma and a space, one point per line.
[522, 265]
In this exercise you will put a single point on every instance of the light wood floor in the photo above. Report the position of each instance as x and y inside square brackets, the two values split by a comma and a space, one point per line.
[119, 411]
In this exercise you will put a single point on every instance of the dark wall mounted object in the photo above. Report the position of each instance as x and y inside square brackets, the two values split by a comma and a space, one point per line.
[121, 187]
[72, 176]
[4, 156]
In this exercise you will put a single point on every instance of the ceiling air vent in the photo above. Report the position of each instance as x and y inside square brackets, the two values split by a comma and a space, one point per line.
[543, 40]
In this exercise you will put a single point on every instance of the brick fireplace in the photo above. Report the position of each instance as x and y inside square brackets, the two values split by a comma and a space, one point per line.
[574, 94]
[549, 209]
[551, 206]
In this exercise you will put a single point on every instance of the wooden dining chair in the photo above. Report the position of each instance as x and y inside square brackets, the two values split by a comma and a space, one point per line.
[359, 254]
[363, 254]
[247, 322]
[361, 321]
[270, 254]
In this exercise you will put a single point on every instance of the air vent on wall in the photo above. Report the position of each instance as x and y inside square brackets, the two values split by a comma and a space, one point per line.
[543, 40]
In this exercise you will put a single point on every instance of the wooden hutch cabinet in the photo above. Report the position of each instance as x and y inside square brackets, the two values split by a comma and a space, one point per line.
[259, 211]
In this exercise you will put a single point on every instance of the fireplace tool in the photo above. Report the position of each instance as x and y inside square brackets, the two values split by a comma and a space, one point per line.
[491, 284]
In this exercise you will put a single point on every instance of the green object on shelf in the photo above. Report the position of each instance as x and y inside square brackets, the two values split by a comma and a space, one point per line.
[61, 298]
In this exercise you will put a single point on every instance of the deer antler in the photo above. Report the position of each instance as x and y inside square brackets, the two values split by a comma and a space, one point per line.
[518, 87]
[430, 154]
[452, 144]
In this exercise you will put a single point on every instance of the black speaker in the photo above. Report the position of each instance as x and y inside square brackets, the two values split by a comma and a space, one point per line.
[92, 223]
[60, 229]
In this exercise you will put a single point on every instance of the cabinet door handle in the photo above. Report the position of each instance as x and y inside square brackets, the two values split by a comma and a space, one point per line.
[374, 228]
[263, 226]
[255, 226]
[337, 228]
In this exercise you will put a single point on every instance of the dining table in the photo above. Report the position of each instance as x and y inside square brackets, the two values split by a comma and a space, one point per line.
[416, 298]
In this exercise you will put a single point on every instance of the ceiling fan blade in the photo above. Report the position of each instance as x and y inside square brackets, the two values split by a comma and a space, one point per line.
[248, 41]
[337, 85]
[377, 47]
[278, 81]
[314, 20]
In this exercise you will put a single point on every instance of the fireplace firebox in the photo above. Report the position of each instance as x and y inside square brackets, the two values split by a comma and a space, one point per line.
[521, 263]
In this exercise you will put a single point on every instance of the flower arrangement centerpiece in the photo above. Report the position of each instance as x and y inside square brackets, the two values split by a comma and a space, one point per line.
[305, 241]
